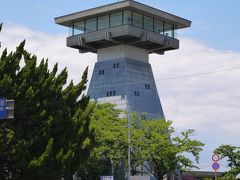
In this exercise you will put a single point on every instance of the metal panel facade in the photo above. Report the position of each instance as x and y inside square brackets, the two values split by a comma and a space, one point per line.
[129, 84]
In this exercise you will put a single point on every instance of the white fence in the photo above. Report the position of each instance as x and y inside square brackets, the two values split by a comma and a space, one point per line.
[106, 178]
[132, 178]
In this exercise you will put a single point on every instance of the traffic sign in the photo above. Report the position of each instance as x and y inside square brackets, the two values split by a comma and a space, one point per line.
[215, 166]
[215, 157]
[3, 110]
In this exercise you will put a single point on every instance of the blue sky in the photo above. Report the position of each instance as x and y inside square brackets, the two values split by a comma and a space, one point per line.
[213, 22]
[207, 103]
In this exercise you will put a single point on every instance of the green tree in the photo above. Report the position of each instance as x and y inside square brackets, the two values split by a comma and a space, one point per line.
[152, 142]
[57, 132]
[49, 136]
[232, 154]
[110, 134]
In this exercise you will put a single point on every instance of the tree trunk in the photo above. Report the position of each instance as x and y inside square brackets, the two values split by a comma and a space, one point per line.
[160, 176]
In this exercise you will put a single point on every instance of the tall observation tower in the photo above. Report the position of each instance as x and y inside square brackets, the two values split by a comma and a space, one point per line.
[123, 34]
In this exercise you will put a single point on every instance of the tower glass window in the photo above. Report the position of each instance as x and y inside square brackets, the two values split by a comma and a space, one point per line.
[148, 23]
[116, 19]
[168, 30]
[137, 20]
[121, 18]
[158, 27]
[174, 32]
[103, 22]
[91, 25]
[127, 17]
[123, 34]
[78, 28]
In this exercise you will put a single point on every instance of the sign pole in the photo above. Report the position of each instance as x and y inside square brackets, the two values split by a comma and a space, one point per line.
[215, 165]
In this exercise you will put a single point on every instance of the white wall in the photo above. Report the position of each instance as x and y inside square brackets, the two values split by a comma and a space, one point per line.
[122, 51]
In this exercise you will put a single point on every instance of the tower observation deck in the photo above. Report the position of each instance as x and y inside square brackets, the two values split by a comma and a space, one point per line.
[123, 34]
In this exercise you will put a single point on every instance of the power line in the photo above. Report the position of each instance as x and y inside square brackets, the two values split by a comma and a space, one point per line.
[172, 78]
[169, 78]
[184, 108]
[199, 74]
[208, 104]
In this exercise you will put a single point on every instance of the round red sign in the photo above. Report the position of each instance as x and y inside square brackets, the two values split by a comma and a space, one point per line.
[215, 157]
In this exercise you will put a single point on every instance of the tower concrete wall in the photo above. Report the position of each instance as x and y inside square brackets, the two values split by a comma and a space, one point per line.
[122, 51]
[125, 81]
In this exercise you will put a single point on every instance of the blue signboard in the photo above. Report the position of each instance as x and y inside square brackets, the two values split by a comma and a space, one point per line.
[3, 111]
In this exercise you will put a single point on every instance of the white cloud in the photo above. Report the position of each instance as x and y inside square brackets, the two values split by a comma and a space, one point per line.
[200, 101]
[48, 46]
[205, 103]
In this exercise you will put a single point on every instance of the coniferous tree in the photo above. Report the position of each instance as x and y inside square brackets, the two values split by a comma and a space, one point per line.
[57, 132]
[49, 136]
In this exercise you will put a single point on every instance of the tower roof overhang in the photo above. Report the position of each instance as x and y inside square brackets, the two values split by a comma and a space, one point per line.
[70, 19]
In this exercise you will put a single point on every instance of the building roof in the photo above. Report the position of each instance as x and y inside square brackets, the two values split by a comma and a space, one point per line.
[68, 20]
[202, 174]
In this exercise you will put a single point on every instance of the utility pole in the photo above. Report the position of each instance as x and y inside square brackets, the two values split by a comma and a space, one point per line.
[129, 146]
